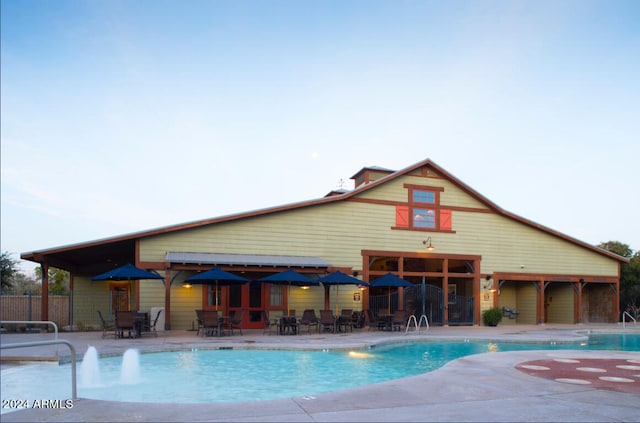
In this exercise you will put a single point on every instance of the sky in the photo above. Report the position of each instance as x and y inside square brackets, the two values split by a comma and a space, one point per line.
[119, 116]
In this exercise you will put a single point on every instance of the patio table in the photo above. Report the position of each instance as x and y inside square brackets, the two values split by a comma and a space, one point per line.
[288, 325]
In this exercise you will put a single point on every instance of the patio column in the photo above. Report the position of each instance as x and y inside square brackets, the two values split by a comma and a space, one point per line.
[577, 304]
[476, 292]
[167, 299]
[540, 302]
[44, 304]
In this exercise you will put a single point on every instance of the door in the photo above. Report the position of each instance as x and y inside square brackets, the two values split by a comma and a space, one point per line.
[119, 297]
[251, 297]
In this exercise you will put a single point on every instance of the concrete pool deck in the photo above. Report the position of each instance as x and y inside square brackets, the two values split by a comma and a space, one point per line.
[482, 387]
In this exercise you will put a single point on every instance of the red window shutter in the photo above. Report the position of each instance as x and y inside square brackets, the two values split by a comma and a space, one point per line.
[402, 216]
[445, 220]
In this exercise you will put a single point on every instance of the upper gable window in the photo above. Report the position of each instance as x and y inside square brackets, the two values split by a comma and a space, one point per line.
[423, 211]
[422, 196]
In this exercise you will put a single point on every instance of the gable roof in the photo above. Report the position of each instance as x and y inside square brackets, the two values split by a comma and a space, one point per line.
[66, 256]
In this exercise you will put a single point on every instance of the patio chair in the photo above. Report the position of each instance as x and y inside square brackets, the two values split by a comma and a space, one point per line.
[268, 323]
[107, 326]
[150, 327]
[345, 321]
[358, 319]
[309, 319]
[235, 321]
[327, 321]
[373, 321]
[126, 322]
[399, 320]
[200, 322]
[211, 323]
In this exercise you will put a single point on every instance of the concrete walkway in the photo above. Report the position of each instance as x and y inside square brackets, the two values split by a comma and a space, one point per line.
[483, 387]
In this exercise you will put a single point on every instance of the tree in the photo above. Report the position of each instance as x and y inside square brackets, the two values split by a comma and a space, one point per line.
[8, 269]
[23, 284]
[629, 277]
[58, 280]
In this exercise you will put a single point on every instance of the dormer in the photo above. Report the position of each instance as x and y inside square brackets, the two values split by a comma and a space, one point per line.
[370, 174]
[337, 192]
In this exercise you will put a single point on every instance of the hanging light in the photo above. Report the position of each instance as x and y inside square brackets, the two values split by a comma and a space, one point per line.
[427, 242]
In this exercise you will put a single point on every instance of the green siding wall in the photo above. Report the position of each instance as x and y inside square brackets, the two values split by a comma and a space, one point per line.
[560, 303]
[339, 231]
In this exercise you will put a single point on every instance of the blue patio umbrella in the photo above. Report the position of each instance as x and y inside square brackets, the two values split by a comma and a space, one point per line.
[390, 280]
[126, 273]
[216, 276]
[289, 277]
[338, 278]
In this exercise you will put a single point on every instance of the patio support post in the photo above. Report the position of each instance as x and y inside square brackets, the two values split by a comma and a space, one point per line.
[44, 305]
[445, 292]
[327, 305]
[167, 299]
[476, 292]
[540, 302]
[578, 302]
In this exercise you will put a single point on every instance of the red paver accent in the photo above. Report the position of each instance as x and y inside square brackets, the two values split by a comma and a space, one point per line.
[560, 369]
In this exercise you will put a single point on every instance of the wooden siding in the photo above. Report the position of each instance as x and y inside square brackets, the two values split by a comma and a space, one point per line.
[89, 297]
[508, 298]
[526, 295]
[560, 303]
[394, 190]
[184, 303]
[339, 231]
[505, 245]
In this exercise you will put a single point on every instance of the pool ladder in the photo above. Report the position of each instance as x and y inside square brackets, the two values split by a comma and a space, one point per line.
[416, 323]
[624, 315]
[74, 390]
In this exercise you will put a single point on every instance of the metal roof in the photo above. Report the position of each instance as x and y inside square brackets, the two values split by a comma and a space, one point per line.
[246, 259]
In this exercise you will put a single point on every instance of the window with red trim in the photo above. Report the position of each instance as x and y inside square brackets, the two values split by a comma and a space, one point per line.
[423, 211]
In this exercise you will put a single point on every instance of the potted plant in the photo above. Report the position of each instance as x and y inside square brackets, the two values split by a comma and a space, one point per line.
[492, 317]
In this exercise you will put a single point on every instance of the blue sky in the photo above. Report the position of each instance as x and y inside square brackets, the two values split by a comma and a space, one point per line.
[121, 116]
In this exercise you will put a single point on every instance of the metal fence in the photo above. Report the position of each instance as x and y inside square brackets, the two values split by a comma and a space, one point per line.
[29, 307]
[428, 300]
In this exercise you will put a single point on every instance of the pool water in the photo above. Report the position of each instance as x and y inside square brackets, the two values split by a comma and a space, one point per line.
[209, 376]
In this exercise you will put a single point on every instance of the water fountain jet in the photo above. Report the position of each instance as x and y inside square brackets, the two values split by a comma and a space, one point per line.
[130, 370]
[90, 368]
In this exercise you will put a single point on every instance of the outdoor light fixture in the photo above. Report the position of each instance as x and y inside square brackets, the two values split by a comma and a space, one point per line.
[187, 285]
[305, 287]
[489, 284]
[427, 242]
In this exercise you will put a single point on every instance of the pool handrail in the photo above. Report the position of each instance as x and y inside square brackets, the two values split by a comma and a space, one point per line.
[624, 314]
[74, 391]
[35, 322]
[417, 323]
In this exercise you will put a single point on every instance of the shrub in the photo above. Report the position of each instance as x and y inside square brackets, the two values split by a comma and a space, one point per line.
[492, 317]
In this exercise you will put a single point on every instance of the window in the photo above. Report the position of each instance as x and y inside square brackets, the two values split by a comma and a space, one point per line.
[424, 218]
[213, 297]
[423, 211]
[421, 196]
[275, 298]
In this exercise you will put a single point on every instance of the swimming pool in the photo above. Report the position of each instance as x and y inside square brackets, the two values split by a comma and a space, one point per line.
[209, 376]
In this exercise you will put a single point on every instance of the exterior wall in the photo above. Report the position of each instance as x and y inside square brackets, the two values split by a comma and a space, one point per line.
[596, 304]
[508, 298]
[184, 303]
[151, 294]
[526, 303]
[88, 298]
[559, 303]
[338, 232]
[504, 244]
